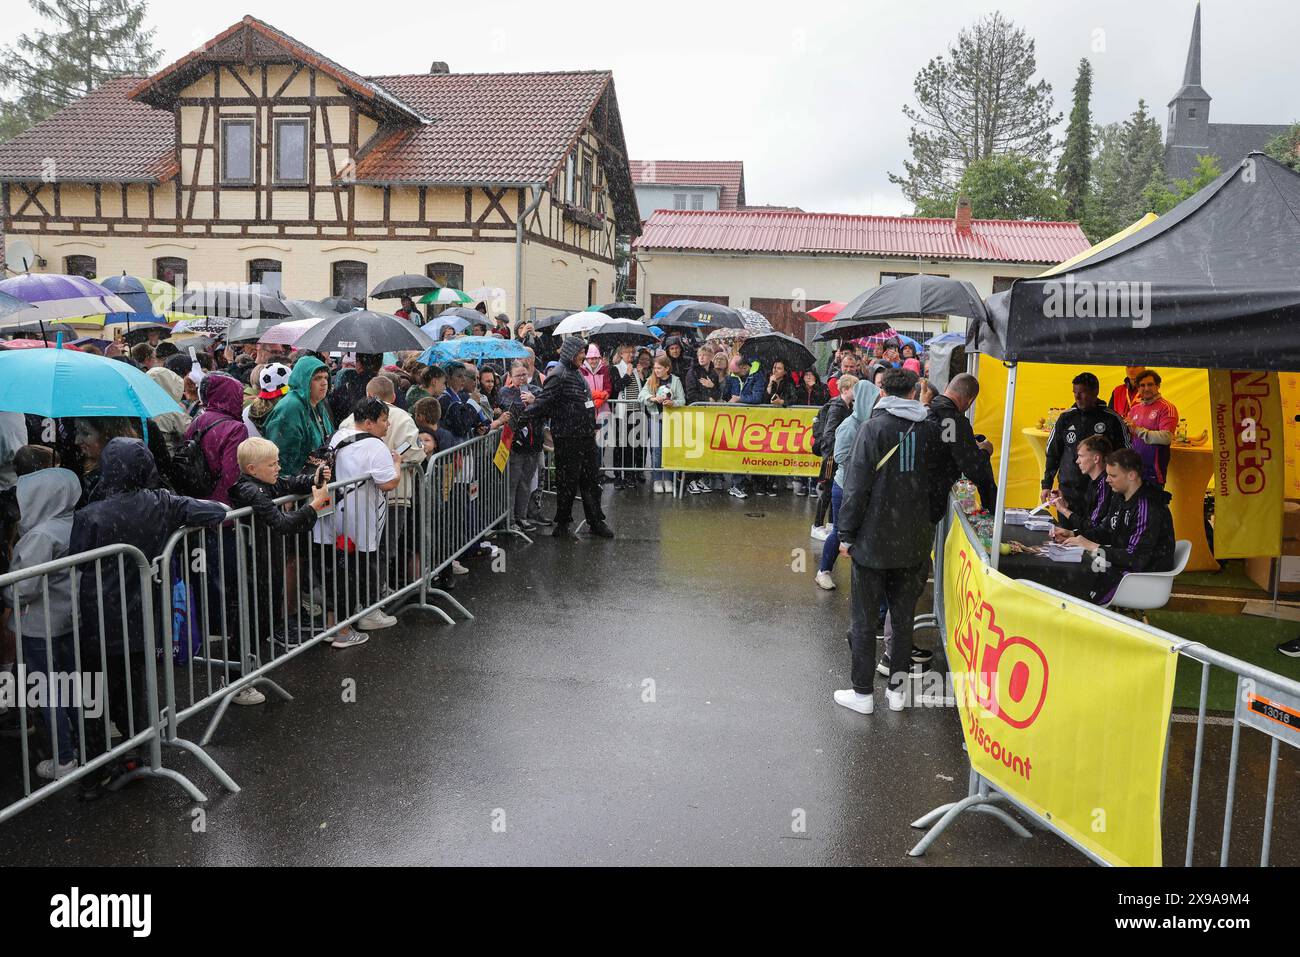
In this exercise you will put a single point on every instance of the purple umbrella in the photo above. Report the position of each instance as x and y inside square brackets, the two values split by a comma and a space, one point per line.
[55, 296]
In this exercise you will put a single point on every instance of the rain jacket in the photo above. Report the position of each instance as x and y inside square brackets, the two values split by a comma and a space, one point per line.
[865, 395]
[601, 385]
[566, 401]
[292, 425]
[886, 483]
[958, 457]
[46, 500]
[128, 508]
[172, 425]
[222, 426]
[757, 392]
[818, 394]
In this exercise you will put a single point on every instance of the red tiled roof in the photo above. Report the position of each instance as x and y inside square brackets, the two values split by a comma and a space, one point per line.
[729, 174]
[102, 137]
[842, 234]
[501, 128]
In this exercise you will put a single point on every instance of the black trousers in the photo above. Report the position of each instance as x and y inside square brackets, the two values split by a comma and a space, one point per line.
[901, 588]
[577, 472]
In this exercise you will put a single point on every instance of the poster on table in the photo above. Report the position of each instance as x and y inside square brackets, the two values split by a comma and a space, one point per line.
[740, 439]
[1063, 709]
[1249, 463]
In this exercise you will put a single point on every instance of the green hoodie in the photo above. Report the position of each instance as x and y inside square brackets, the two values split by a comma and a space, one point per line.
[292, 425]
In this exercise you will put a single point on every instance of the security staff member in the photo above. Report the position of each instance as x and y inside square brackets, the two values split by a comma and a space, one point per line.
[1088, 416]
[567, 402]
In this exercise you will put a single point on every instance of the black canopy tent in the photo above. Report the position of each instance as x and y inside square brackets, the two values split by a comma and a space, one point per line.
[1212, 284]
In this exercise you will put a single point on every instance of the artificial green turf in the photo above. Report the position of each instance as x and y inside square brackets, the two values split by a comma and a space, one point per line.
[1231, 574]
[1246, 637]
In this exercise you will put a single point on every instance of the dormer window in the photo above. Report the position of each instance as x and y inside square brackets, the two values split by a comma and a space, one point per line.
[237, 152]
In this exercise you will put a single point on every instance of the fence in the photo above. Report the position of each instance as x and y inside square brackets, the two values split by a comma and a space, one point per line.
[1264, 702]
[226, 606]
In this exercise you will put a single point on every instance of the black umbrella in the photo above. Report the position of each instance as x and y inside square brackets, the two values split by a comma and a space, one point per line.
[702, 315]
[247, 301]
[407, 284]
[621, 310]
[907, 298]
[550, 322]
[852, 329]
[618, 332]
[312, 309]
[768, 347]
[363, 331]
[250, 330]
[341, 303]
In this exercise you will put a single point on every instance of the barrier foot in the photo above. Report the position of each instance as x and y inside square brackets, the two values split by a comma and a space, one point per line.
[451, 601]
[425, 606]
[167, 773]
[515, 531]
[216, 719]
[928, 819]
[975, 802]
[216, 770]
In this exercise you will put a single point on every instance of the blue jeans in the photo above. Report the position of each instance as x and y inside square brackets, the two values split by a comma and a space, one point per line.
[657, 451]
[35, 660]
[831, 549]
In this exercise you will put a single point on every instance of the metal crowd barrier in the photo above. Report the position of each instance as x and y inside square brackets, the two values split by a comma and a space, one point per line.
[1261, 696]
[87, 690]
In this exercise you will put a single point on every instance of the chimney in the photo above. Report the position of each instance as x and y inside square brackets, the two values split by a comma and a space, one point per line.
[961, 223]
[439, 68]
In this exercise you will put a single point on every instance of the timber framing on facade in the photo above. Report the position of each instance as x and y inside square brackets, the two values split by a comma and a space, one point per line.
[256, 137]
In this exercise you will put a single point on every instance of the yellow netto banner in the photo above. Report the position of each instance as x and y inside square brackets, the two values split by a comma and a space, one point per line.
[1063, 709]
[740, 439]
[1249, 462]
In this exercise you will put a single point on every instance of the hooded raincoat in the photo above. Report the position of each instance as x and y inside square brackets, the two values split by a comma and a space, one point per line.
[293, 425]
[222, 426]
[45, 502]
[865, 395]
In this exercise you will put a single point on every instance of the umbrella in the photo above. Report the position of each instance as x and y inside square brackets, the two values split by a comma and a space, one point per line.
[851, 328]
[489, 294]
[470, 316]
[728, 335]
[160, 293]
[447, 296]
[288, 333]
[476, 348]
[192, 340]
[580, 322]
[827, 312]
[909, 297]
[340, 304]
[946, 338]
[252, 330]
[68, 382]
[11, 304]
[203, 325]
[615, 332]
[619, 310]
[434, 327]
[694, 315]
[883, 337]
[768, 347]
[236, 301]
[668, 307]
[34, 344]
[548, 323]
[755, 322]
[364, 331]
[407, 284]
[56, 296]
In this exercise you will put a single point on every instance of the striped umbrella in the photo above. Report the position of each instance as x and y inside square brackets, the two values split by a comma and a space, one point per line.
[56, 296]
[447, 296]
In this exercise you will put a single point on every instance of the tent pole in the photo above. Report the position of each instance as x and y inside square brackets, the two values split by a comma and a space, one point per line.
[1008, 409]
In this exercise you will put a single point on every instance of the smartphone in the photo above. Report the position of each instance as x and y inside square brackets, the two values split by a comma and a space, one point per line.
[320, 475]
[403, 448]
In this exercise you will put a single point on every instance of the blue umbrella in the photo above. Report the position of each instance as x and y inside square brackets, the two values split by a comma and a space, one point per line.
[62, 382]
[669, 307]
[473, 347]
[434, 326]
[132, 292]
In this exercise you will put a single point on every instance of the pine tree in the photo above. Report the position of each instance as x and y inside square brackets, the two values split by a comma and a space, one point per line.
[1074, 173]
[1129, 155]
[89, 41]
[978, 102]
[1285, 148]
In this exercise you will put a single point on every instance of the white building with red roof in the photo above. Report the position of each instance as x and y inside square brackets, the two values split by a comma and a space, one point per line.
[255, 158]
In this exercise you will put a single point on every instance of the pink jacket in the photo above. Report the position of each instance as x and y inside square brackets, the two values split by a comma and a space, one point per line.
[601, 385]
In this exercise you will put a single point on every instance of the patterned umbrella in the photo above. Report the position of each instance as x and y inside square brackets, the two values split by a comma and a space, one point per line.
[728, 335]
[447, 296]
[33, 344]
[56, 296]
[287, 333]
[755, 322]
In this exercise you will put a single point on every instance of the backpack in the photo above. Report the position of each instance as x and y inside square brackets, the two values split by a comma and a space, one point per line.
[189, 472]
[818, 426]
[327, 454]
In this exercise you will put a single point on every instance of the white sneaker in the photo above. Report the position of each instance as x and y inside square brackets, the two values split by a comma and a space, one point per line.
[376, 620]
[249, 695]
[350, 640]
[695, 489]
[458, 569]
[494, 552]
[45, 769]
[311, 609]
[823, 580]
[820, 532]
[738, 492]
[896, 697]
[659, 486]
[861, 703]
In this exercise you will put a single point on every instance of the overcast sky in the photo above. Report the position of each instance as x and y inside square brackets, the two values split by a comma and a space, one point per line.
[809, 95]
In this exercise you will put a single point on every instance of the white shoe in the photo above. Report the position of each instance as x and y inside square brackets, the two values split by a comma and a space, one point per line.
[696, 489]
[494, 551]
[311, 609]
[659, 486]
[820, 532]
[249, 695]
[896, 698]
[350, 640]
[823, 580]
[861, 703]
[458, 569]
[45, 769]
[376, 620]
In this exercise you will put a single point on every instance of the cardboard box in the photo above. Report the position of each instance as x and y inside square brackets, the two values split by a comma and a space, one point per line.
[1259, 570]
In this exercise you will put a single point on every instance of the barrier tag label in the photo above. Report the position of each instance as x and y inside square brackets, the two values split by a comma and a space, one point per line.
[1270, 710]
[473, 491]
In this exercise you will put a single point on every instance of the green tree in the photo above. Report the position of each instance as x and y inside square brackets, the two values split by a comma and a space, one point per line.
[980, 100]
[1285, 148]
[1001, 187]
[87, 42]
[1160, 196]
[1128, 156]
[1074, 172]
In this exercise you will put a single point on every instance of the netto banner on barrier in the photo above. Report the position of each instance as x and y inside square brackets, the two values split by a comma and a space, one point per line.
[1249, 463]
[1063, 709]
[740, 439]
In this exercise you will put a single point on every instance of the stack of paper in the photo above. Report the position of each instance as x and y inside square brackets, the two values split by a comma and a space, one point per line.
[1064, 553]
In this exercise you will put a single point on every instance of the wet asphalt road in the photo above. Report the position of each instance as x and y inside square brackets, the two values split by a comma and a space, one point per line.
[524, 737]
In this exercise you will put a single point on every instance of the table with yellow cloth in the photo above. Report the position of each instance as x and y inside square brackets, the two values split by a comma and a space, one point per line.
[1190, 469]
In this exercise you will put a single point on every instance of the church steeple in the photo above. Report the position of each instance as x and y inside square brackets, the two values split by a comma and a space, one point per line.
[1189, 110]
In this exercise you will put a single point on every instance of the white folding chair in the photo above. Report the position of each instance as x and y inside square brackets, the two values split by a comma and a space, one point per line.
[1143, 591]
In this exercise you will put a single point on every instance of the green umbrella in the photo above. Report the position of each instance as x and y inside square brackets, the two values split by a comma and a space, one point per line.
[447, 296]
